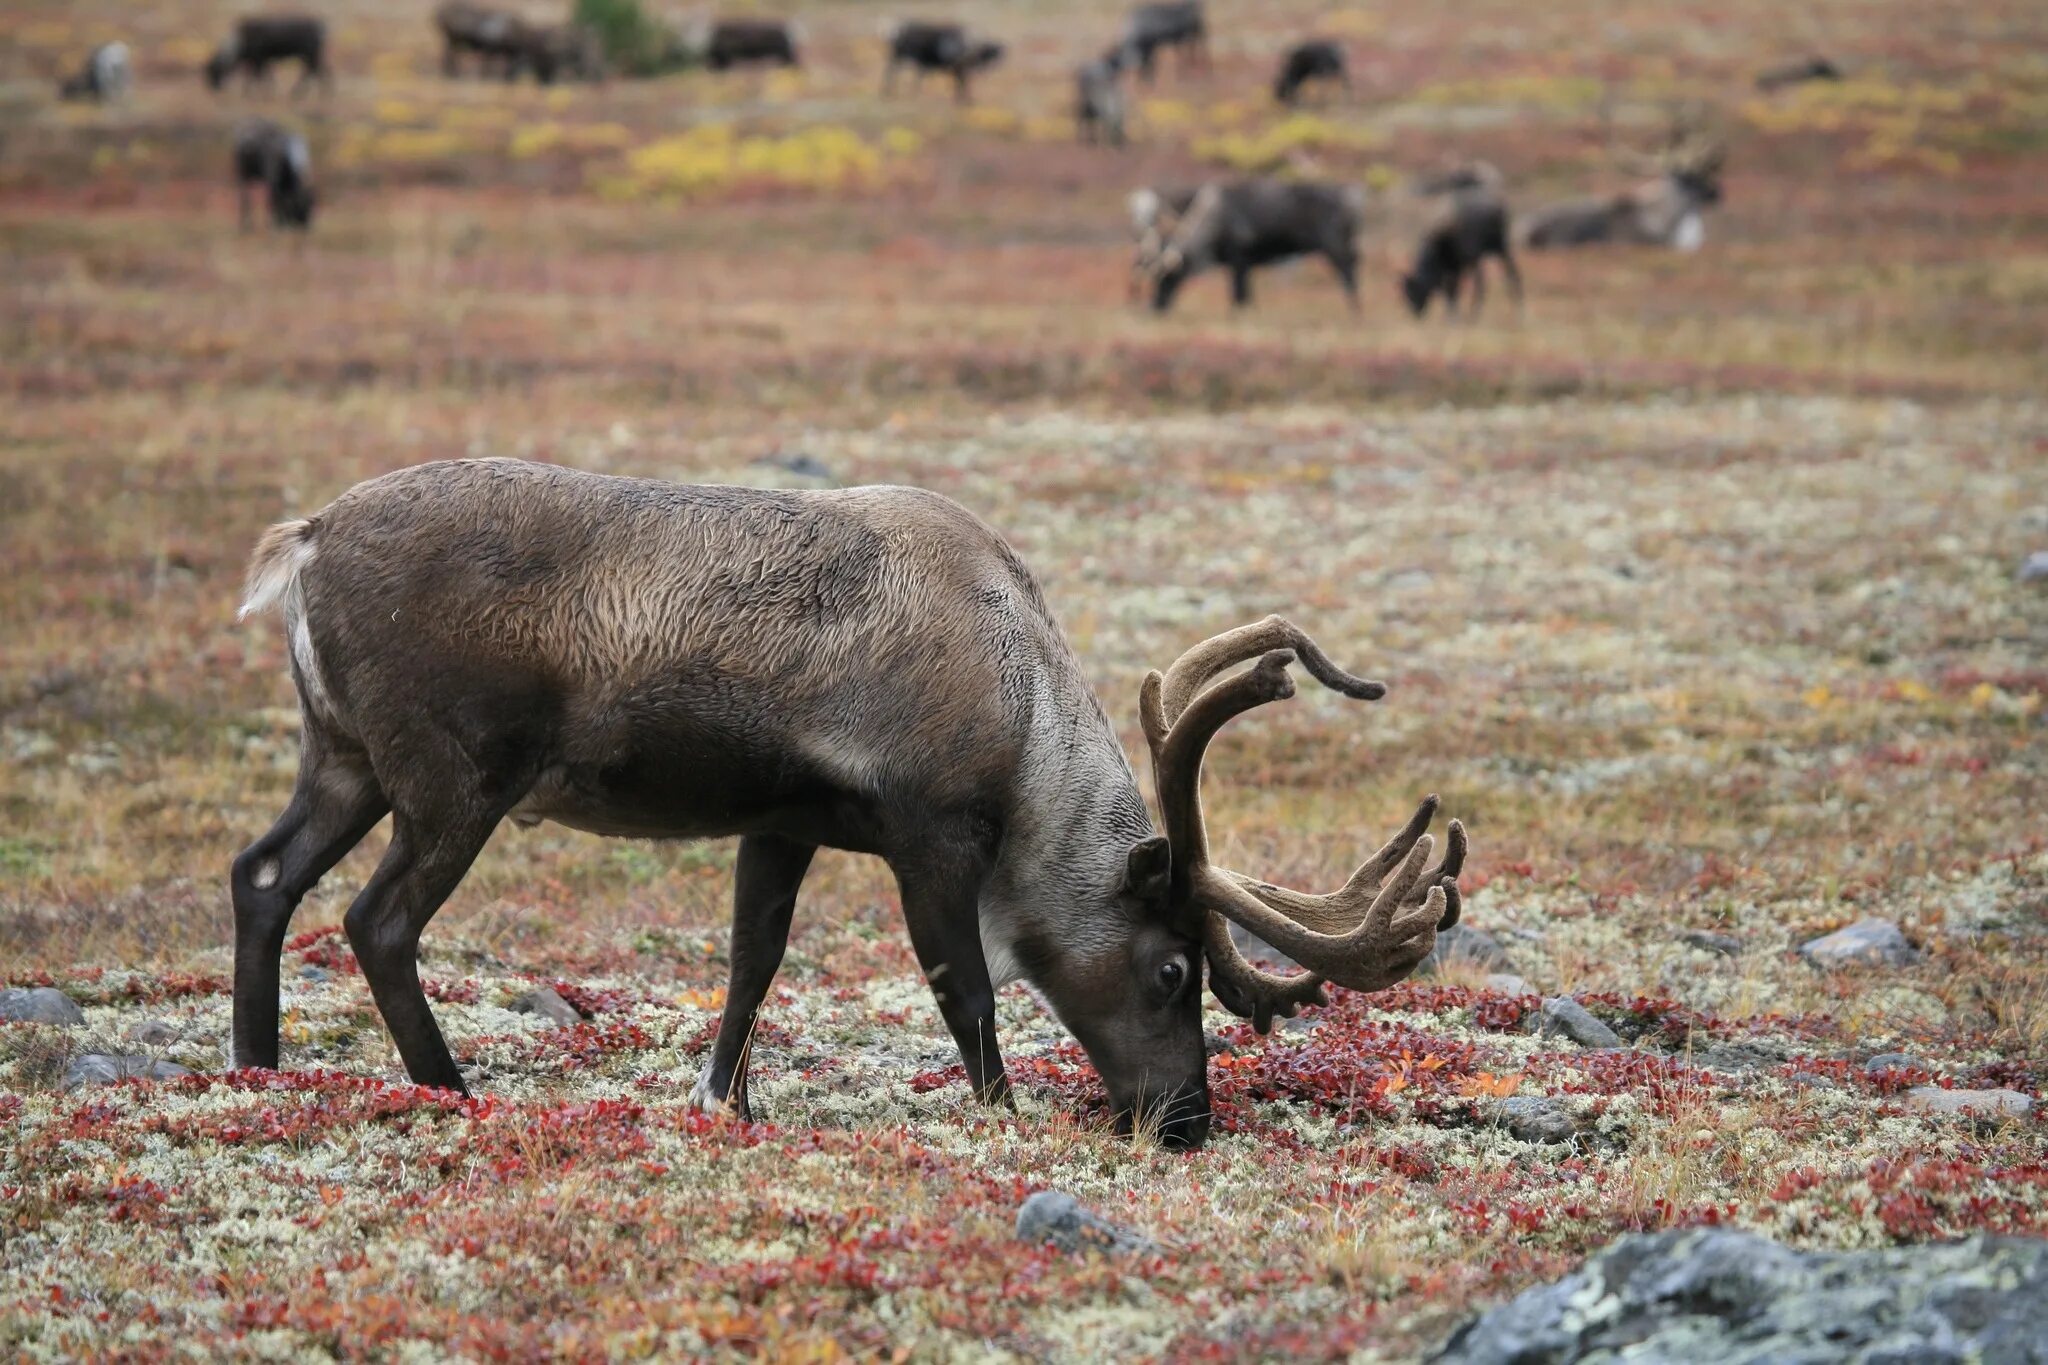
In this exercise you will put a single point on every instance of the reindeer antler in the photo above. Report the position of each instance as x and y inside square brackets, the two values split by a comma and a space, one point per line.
[1368, 934]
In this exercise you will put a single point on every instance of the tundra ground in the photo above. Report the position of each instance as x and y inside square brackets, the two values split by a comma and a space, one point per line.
[1694, 583]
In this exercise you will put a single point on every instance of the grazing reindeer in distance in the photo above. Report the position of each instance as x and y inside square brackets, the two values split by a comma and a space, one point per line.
[488, 639]
[107, 76]
[492, 36]
[938, 47]
[1475, 227]
[275, 158]
[1314, 59]
[1099, 99]
[260, 41]
[1666, 210]
[1242, 225]
[728, 43]
[1797, 72]
[1178, 24]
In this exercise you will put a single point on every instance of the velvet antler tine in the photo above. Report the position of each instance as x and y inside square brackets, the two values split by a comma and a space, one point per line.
[1192, 670]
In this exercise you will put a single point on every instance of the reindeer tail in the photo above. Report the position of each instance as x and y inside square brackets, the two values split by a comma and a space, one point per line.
[281, 555]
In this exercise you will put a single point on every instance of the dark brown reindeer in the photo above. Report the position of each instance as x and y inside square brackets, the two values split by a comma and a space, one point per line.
[105, 78]
[1474, 227]
[870, 669]
[275, 158]
[1242, 225]
[1313, 59]
[1173, 23]
[1099, 99]
[493, 37]
[263, 40]
[727, 43]
[927, 47]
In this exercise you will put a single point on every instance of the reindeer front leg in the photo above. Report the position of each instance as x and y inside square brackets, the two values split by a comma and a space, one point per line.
[941, 889]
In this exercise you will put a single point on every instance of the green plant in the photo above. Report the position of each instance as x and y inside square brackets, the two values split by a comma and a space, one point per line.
[635, 43]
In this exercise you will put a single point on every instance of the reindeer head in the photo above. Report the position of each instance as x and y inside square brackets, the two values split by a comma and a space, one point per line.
[1179, 246]
[1136, 1009]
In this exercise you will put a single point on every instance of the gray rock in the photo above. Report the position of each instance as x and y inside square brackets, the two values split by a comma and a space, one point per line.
[1895, 1061]
[1507, 983]
[1214, 1045]
[1866, 943]
[796, 462]
[2034, 568]
[548, 1004]
[1537, 1118]
[39, 1005]
[1462, 945]
[1716, 1296]
[315, 974]
[1058, 1218]
[153, 1033]
[1724, 945]
[104, 1068]
[1977, 1104]
[1564, 1016]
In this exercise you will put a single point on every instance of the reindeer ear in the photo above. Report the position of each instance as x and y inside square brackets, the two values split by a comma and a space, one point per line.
[1148, 869]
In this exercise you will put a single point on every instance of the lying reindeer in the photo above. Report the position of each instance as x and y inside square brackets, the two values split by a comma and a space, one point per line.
[275, 158]
[261, 41]
[1099, 99]
[1246, 224]
[1797, 72]
[1177, 24]
[106, 76]
[1666, 211]
[870, 669]
[938, 47]
[1315, 59]
[1475, 227]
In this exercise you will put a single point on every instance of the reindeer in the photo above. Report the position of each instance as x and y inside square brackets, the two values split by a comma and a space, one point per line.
[1177, 24]
[269, 155]
[106, 76]
[1665, 210]
[555, 51]
[1314, 59]
[1797, 72]
[1246, 224]
[261, 40]
[1099, 99]
[743, 42]
[938, 47]
[869, 669]
[1475, 227]
[492, 36]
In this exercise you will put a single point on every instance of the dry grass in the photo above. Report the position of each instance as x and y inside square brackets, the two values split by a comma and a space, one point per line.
[1694, 583]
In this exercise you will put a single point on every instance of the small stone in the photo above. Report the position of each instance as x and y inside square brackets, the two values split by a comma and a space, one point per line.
[1978, 1104]
[1055, 1217]
[1722, 945]
[1215, 1046]
[1566, 1016]
[2034, 568]
[1537, 1118]
[1866, 943]
[39, 1005]
[548, 1004]
[796, 462]
[1463, 945]
[105, 1068]
[153, 1033]
[1895, 1061]
[1507, 983]
[309, 972]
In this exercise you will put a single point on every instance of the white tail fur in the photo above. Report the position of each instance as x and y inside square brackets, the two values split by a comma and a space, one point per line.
[282, 553]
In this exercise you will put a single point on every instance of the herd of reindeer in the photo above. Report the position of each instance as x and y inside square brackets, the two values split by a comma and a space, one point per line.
[1230, 225]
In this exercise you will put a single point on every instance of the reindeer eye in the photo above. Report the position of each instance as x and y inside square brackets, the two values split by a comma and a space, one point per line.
[1171, 974]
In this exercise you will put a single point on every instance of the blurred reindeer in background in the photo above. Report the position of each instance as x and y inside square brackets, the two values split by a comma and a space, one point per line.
[1667, 209]
[105, 77]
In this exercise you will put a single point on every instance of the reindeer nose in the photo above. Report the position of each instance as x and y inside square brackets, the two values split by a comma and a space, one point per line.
[1186, 1133]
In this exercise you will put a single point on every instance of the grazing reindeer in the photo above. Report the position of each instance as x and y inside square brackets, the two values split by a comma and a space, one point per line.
[1665, 211]
[747, 42]
[106, 76]
[1246, 224]
[1798, 72]
[493, 37]
[1315, 59]
[275, 158]
[556, 51]
[870, 669]
[1154, 209]
[1476, 227]
[261, 40]
[1176, 24]
[938, 47]
[1099, 99]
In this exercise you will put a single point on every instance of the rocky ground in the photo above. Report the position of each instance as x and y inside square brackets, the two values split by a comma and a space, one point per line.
[1700, 587]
